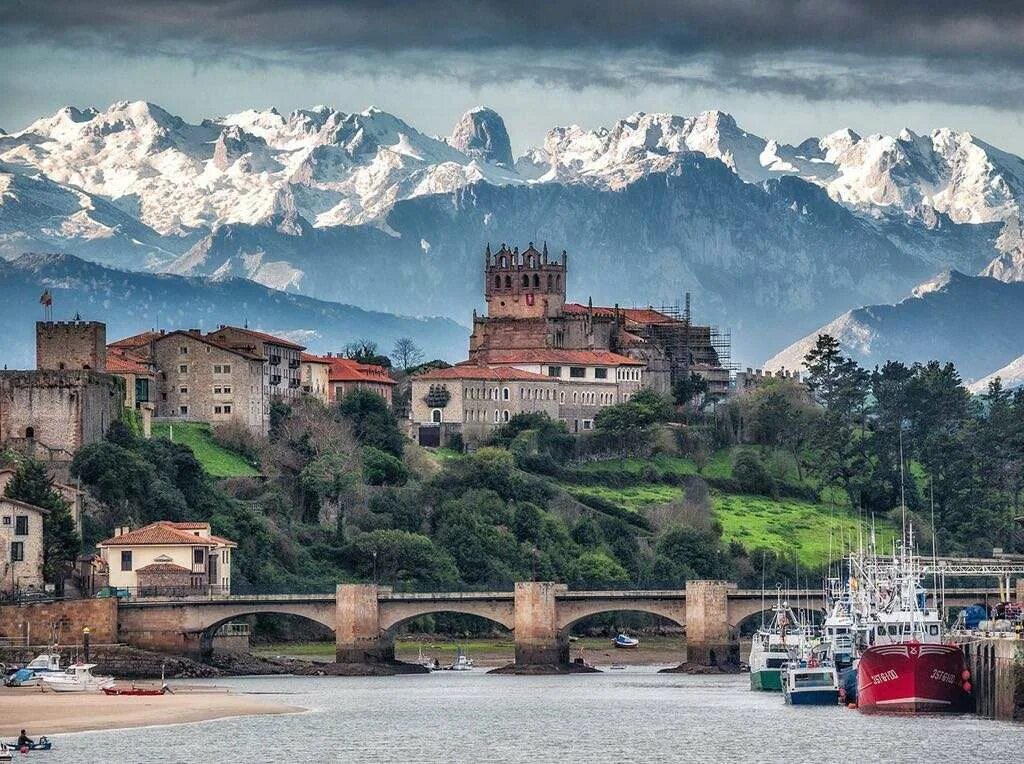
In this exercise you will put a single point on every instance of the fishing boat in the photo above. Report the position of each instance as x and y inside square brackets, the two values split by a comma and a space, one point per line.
[462, 663]
[811, 680]
[77, 678]
[625, 642]
[774, 646]
[5, 753]
[45, 663]
[910, 667]
[23, 677]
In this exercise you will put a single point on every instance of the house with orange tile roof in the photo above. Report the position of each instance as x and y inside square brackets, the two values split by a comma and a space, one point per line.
[168, 558]
[315, 373]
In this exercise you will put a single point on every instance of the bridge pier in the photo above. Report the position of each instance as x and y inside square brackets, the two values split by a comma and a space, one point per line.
[539, 641]
[709, 641]
[358, 636]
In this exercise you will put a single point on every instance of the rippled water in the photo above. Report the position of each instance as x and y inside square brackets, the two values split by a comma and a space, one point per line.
[633, 715]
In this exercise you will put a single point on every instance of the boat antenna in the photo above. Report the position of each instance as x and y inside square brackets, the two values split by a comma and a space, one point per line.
[764, 557]
[903, 490]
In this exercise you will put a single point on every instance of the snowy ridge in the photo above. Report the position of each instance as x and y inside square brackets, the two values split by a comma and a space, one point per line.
[1010, 376]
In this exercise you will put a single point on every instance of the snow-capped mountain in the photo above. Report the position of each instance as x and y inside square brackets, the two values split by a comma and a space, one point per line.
[1010, 376]
[132, 302]
[975, 321]
[363, 208]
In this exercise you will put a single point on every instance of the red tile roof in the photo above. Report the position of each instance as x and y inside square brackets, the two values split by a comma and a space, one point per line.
[208, 340]
[121, 361]
[555, 356]
[310, 358]
[347, 370]
[261, 336]
[162, 567]
[135, 341]
[475, 371]
[161, 533]
[635, 315]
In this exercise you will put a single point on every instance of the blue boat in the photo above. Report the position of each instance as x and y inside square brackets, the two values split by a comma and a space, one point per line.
[42, 744]
[625, 642]
[810, 683]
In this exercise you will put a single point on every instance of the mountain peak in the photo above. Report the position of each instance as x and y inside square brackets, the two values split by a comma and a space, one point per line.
[481, 134]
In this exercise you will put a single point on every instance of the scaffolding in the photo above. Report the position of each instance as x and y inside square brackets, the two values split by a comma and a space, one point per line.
[694, 347]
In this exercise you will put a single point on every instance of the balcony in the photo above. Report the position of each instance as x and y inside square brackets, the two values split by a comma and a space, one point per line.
[293, 364]
[274, 360]
[275, 379]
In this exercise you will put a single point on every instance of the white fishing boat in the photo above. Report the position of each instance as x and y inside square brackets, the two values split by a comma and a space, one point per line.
[77, 678]
[775, 645]
[45, 663]
[811, 679]
[462, 663]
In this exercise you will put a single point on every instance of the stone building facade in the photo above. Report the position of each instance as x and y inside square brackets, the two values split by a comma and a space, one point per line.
[72, 495]
[200, 379]
[54, 413]
[21, 546]
[71, 345]
[316, 376]
[527, 311]
[282, 364]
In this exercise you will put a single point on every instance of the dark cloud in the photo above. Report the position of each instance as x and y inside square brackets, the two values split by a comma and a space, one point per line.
[959, 52]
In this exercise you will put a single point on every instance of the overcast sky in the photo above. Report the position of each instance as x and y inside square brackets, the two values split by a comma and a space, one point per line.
[787, 70]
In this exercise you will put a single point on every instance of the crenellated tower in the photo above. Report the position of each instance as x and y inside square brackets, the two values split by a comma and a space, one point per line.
[523, 284]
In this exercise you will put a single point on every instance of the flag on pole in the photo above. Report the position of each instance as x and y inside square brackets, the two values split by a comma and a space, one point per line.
[46, 298]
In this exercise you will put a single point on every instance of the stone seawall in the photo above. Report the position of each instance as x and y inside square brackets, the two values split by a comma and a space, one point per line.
[60, 622]
[997, 678]
[120, 661]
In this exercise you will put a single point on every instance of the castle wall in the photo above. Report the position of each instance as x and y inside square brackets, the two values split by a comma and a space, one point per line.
[60, 410]
[71, 345]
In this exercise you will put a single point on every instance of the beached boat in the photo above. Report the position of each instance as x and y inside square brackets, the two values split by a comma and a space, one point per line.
[462, 663]
[77, 678]
[625, 642]
[23, 678]
[145, 691]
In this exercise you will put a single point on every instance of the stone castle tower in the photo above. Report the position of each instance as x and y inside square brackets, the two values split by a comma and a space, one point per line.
[523, 284]
[71, 345]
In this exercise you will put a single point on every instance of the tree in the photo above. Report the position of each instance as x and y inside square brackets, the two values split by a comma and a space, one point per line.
[381, 468]
[835, 381]
[32, 485]
[406, 352]
[643, 409]
[688, 388]
[372, 421]
[749, 472]
[365, 351]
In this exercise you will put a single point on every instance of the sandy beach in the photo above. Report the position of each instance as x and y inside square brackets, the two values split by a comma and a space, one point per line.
[49, 713]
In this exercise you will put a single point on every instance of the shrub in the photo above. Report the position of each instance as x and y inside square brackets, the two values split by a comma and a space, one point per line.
[381, 468]
[749, 473]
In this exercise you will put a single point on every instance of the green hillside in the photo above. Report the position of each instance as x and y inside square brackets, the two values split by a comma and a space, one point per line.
[216, 460]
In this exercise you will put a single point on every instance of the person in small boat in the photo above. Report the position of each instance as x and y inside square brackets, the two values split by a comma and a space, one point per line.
[437, 663]
[24, 739]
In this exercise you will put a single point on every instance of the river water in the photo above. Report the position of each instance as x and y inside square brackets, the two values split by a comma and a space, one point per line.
[634, 715]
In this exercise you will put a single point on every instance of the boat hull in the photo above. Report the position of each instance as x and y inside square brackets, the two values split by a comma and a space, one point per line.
[818, 697]
[911, 677]
[769, 680]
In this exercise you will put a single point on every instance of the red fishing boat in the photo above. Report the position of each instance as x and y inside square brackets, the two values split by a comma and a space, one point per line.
[136, 690]
[908, 667]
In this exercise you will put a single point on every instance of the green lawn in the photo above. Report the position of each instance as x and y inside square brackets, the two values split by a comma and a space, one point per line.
[216, 460]
[631, 497]
[792, 526]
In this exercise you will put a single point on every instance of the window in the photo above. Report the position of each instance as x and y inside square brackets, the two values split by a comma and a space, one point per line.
[198, 556]
[227, 408]
[183, 368]
[577, 372]
[536, 280]
[222, 390]
[225, 556]
[504, 415]
[435, 416]
[30, 433]
[183, 410]
[183, 350]
[526, 280]
[549, 282]
[222, 368]
[588, 424]
[141, 390]
[561, 396]
[508, 282]
[504, 394]
[183, 390]
[21, 525]
[575, 397]
[600, 373]
[126, 559]
[218, 409]
[17, 551]
[497, 282]
[7, 519]
[554, 371]
[495, 416]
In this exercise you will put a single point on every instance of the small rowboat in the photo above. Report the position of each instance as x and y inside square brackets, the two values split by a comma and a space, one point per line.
[623, 641]
[42, 744]
[136, 690]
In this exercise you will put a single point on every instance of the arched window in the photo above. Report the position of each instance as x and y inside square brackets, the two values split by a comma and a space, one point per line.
[529, 261]
[504, 262]
[504, 415]
[561, 397]
[549, 282]
[508, 282]
[504, 394]
[536, 280]
[495, 416]
[558, 282]
[575, 397]
[30, 432]
[526, 280]
[497, 282]
[435, 416]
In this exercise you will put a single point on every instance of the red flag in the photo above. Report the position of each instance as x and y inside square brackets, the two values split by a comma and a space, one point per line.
[46, 298]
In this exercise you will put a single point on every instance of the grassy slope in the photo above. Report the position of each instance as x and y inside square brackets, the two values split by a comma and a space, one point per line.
[788, 526]
[217, 460]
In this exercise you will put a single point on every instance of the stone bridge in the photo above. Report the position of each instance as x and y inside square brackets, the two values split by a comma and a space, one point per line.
[366, 617]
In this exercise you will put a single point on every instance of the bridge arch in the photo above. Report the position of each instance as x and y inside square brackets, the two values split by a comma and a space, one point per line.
[206, 634]
[571, 613]
[395, 614]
